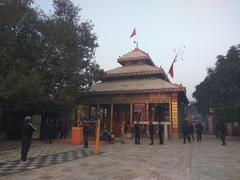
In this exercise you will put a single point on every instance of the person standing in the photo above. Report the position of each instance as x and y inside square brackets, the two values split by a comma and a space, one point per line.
[222, 133]
[43, 131]
[27, 130]
[191, 131]
[47, 131]
[217, 129]
[151, 131]
[199, 130]
[160, 133]
[59, 130]
[85, 134]
[137, 133]
[50, 131]
[126, 128]
[63, 129]
[185, 132]
[123, 132]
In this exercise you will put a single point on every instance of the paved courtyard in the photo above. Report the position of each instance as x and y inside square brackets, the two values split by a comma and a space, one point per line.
[173, 160]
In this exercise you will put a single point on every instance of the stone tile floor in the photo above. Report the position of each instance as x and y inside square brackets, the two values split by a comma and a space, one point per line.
[173, 160]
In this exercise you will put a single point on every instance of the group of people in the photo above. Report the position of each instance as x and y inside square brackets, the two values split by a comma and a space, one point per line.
[62, 129]
[188, 131]
[47, 133]
[160, 132]
[107, 136]
[151, 130]
[49, 130]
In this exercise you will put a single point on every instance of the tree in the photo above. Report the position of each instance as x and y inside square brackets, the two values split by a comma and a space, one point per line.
[220, 90]
[46, 60]
[19, 51]
[69, 47]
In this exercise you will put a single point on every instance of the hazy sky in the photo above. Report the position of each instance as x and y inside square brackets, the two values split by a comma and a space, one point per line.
[206, 27]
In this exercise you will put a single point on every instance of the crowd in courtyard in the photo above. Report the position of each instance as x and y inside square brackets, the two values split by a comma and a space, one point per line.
[188, 132]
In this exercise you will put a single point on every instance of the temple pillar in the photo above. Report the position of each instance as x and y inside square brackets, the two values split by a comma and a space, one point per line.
[147, 119]
[165, 131]
[170, 117]
[147, 110]
[174, 114]
[131, 113]
[210, 124]
[111, 119]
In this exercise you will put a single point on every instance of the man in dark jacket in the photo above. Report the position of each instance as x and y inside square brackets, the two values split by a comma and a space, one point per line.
[137, 133]
[199, 130]
[185, 132]
[85, 134]
[191, 131]
[50, 131]
[222, 133]
[160, 133]
[151, 131]
[217, 130]
[27, 131]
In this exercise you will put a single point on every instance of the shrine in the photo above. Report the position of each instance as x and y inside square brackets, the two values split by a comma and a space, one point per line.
[136, 91]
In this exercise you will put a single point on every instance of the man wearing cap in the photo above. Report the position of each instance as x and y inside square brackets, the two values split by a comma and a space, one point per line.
[27, 131]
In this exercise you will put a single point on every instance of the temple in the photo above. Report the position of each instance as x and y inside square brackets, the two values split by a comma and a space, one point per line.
[136, 91]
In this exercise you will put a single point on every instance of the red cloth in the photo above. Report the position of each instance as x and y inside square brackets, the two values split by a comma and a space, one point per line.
[171, 68]
[133, 33]
[171, 71]
[64, 126]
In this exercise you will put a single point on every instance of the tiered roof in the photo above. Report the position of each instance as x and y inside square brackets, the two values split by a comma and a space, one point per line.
[136, 85]
[135, 55]
[134, 70]
[137, 74]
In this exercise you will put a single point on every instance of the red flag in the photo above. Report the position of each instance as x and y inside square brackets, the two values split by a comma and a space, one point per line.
[171, 68]
[133, 33]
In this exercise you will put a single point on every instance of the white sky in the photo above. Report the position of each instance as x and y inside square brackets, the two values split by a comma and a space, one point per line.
[206, 27]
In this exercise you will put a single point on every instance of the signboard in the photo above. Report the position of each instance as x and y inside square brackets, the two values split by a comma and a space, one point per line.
[139, 108]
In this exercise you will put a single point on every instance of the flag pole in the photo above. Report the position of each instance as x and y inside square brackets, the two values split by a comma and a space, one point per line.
[164, 81]
[135, 42]
[134, 33]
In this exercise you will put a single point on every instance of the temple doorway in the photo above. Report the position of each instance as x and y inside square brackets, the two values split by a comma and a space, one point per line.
[121, 113]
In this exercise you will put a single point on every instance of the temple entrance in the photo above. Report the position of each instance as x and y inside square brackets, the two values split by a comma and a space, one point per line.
[121, 113]
[105, 116]
[158, 112]
[162, 113]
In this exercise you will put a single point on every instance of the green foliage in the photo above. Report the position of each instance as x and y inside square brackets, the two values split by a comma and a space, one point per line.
[220, 91]
[46, 60]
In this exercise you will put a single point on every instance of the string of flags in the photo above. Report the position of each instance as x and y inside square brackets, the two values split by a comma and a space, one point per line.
[179, 53]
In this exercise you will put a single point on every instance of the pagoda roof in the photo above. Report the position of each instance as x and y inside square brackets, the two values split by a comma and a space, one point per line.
[135, 55]
[135, 86]
[142, 69]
